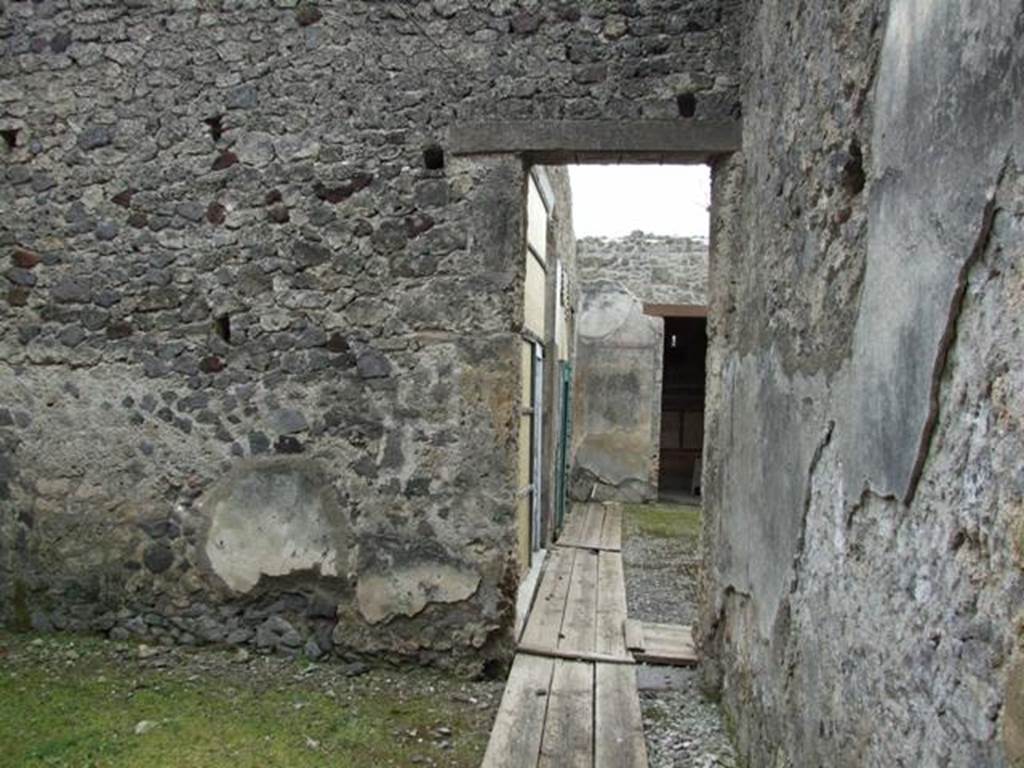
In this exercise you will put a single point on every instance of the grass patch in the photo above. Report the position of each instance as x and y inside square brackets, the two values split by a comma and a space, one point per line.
[666, 521]
[653, 710]
[69, 702]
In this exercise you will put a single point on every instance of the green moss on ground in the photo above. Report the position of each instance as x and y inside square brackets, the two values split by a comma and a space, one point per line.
[666, 521]
[69, 702]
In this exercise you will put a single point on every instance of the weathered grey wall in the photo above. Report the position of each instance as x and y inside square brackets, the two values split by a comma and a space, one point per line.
[864, 483]
[175, 170]
[618, 365]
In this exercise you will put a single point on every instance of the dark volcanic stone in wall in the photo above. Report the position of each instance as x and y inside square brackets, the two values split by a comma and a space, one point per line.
[250, 203]
[158, 558]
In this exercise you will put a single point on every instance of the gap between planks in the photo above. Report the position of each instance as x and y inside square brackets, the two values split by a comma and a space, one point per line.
[554, 653]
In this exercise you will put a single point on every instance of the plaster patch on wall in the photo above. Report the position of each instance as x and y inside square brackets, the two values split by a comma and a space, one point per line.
[605, 313]
[273, 518]
[406, 591]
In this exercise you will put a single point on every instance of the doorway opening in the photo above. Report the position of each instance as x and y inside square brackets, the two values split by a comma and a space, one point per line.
[681, 445]
[613, 338]
[638, 361]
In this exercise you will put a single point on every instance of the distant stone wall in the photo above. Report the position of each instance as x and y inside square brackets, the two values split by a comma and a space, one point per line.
[618, 365]
[656, 269]
[259, 358]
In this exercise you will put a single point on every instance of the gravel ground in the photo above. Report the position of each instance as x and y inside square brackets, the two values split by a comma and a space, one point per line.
[661, 574]
[683, 728]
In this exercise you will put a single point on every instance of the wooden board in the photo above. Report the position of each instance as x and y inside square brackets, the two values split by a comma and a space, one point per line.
[572, 531]
[634, 631]
[580, 608]
[519, 725]
[580, 622]
[653, 643]
[618, 727]
[558, 713]
[568, 740]
[593, 526]
[611, 529]
[611, 605]
[544, 623]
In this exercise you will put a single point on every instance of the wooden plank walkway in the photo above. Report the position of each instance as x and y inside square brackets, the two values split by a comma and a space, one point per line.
[571, 697]
[593, 526]
[580, 607]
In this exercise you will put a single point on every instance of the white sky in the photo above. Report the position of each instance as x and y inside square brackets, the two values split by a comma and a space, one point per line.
[614, 200]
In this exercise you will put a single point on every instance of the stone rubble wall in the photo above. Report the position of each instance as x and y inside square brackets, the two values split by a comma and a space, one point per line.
[657, 269]
[865, 582]
[259, 361]
[618, 365]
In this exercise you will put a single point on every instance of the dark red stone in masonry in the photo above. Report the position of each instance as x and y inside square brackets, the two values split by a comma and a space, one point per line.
[25, 258]
[17, 297]
[211, 364]
[344, 190]
[215, 213]
[225, 159]
[418, 224]
[307, 14]
[124, 199]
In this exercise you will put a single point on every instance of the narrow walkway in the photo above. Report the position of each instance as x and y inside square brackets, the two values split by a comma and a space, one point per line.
[571, 697]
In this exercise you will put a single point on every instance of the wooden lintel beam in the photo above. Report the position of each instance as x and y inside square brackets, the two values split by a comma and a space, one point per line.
[569, 141]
